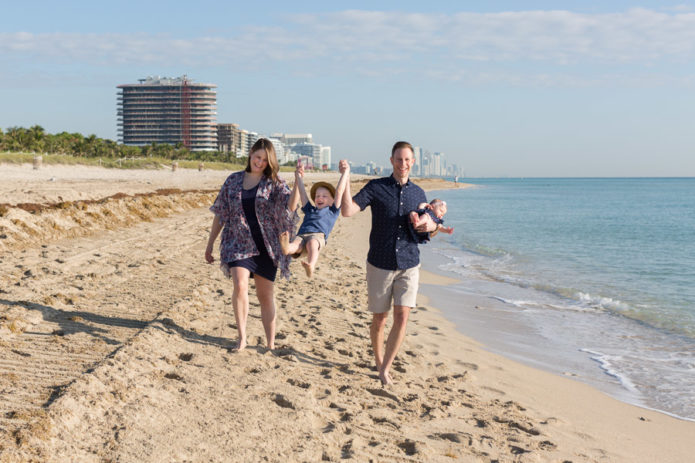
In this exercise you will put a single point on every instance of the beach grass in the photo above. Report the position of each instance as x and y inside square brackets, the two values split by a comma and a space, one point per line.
[122, 163]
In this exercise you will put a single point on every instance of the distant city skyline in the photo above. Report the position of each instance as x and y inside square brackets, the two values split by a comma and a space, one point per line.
[503, 88]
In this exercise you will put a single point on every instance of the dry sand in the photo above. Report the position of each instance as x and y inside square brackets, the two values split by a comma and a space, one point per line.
[114, 339]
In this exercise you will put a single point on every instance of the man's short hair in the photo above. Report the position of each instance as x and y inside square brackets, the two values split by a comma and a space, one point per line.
[401, 144]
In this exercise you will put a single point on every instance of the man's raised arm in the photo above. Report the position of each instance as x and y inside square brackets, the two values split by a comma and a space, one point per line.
[348, 207]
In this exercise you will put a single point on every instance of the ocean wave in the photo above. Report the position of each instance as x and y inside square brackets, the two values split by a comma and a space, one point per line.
[605, 362]
[603, 302]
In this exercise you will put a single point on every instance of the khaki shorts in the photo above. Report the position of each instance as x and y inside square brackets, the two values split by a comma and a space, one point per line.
[320, 237]
[384, 286]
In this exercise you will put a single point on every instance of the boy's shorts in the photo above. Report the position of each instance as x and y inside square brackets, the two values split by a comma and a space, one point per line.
[320, 237]
[384, 286]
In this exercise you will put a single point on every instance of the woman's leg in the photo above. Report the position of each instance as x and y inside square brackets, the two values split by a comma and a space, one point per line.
[266, 297]
[240, 301]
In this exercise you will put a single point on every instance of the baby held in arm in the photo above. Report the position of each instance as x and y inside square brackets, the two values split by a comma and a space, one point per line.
[433, 211]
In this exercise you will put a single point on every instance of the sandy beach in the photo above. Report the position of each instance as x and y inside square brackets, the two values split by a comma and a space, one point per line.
[115, 336]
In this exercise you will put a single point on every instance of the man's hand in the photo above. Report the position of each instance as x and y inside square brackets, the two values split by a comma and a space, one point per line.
[427, 225]
[344, 166]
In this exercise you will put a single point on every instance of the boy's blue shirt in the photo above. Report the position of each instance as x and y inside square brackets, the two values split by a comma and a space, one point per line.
[318, 220]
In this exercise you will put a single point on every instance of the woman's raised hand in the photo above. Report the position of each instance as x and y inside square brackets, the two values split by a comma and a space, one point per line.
[299, 171]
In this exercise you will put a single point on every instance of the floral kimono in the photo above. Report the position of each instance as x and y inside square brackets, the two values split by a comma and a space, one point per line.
[273, 218]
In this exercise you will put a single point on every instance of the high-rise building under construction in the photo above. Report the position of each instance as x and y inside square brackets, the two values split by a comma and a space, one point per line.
[164, 110]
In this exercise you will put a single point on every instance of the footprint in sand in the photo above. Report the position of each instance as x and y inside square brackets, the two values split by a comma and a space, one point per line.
[297, 383]
[383, 393]
[547, 445]
[409, 447]
[456, 437]
[283, 401]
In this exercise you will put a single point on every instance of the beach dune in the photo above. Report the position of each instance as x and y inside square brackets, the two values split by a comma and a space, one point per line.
[115, 337]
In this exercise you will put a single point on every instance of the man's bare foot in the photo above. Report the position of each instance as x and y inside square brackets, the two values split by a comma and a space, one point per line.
[309, 269]
[385, 379]
[285, 242]
[239, 346]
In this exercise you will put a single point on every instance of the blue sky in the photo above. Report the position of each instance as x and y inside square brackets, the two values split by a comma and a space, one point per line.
[515, 88]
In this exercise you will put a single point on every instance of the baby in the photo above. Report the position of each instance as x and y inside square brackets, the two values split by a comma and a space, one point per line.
[434, 211]
[318, 220]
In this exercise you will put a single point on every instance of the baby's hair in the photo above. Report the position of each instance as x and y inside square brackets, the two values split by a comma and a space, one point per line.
[437, 202]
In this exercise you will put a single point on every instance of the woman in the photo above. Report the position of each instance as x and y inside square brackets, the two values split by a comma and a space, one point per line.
[252, 208]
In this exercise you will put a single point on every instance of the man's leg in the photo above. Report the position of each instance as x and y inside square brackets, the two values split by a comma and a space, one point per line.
[394, 341]
[376, 332]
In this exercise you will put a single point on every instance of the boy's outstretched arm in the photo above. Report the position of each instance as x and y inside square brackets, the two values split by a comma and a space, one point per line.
[348, 207]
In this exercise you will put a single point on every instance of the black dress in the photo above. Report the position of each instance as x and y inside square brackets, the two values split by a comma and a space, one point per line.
[261, 264]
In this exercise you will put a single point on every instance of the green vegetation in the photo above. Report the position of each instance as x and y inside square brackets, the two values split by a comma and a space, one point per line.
[20, 145]
[123, 163]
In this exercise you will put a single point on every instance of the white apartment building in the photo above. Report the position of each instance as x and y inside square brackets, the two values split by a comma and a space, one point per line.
[325, 158]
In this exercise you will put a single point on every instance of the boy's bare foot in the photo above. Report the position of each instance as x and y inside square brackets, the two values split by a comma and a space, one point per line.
[309, 269]
[285, 242]
[414, 218]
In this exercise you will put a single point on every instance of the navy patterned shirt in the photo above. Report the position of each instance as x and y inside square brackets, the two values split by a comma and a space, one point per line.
[392, 241]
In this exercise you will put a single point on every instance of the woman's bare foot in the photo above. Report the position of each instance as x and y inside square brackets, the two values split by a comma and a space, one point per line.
[285, 242]
[385, 379]
[309, 269]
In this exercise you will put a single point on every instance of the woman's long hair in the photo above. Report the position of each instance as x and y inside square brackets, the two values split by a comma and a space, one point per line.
[272, 169]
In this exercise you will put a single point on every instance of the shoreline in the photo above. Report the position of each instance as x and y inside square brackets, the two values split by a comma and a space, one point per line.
[630, 431]
[437, 278]
[131, 329]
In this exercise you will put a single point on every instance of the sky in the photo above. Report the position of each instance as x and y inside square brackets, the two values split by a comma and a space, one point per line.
[503, 88]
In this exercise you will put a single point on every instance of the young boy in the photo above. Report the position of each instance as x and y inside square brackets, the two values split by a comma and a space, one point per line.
[435, 210]
[318, 220]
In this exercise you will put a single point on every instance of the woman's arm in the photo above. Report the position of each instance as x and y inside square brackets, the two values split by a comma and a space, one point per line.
[293, 202]
[214, 232]
[302, 191]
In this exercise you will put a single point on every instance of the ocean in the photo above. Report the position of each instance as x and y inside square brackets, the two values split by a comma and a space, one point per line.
[593, 278]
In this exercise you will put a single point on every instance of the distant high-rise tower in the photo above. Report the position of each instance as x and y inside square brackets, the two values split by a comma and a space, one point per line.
[164, 110]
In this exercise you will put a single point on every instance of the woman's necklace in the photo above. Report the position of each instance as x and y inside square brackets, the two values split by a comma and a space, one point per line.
[250, 180]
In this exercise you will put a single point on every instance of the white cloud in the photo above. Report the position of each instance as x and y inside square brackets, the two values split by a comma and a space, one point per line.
[369, 41]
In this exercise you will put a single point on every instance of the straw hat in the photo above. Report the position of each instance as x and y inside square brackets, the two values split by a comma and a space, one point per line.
[318, 185]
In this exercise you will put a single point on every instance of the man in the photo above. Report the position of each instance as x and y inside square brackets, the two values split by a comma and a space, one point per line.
[394, 259]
